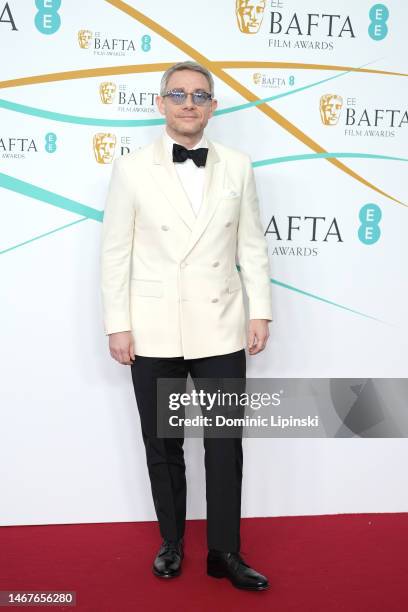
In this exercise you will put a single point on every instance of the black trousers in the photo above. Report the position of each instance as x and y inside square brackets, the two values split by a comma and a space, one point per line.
[165, 456]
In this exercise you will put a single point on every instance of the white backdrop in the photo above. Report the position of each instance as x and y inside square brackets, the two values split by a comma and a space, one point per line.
[71, 444]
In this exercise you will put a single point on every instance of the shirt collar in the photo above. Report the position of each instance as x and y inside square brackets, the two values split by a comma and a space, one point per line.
[169, 142]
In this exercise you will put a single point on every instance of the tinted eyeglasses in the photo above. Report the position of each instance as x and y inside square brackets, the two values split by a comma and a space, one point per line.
[178, 96]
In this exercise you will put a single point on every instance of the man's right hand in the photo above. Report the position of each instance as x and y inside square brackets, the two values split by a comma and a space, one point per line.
[121, 347]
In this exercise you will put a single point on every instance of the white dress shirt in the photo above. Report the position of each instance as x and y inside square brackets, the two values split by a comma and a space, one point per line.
[190, 175]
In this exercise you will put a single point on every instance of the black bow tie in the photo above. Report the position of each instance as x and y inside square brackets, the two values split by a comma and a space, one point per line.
[180, 154]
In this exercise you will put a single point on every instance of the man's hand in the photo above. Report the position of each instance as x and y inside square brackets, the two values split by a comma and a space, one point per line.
[121, 347]
[258, 334]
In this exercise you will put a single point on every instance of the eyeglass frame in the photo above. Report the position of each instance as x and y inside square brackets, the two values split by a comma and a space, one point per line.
[186, 94]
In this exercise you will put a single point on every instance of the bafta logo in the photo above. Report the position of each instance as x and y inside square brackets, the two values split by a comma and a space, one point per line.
[249, 15]
[107, 92]
[330, 108]
[104, 147]
[257, 78]
[84, 38]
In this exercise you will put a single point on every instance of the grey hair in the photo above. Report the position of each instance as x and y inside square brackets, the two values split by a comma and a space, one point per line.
[188, 65]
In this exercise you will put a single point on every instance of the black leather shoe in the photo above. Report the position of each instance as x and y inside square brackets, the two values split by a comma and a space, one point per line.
[231, 565]
[167, 563]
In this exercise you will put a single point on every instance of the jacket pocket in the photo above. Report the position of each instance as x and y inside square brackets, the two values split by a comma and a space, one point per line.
[234, 283]
[150, 288]
[230, 194]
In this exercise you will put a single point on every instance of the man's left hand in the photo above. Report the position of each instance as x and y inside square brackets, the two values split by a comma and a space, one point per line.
[258, 334]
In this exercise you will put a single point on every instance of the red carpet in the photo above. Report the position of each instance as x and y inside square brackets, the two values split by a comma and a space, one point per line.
[347, 563]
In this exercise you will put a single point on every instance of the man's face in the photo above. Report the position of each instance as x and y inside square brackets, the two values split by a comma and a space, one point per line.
[187, 119]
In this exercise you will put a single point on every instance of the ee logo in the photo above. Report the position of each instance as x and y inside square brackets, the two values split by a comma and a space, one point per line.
[50, 142]
[369, 231]
[47, 20]
[146, 40]
[378, 29]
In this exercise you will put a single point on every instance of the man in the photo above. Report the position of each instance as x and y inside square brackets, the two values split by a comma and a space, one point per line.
[178, 213]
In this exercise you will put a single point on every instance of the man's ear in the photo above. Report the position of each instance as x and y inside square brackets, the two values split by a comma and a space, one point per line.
[214, 104]
[160, 104]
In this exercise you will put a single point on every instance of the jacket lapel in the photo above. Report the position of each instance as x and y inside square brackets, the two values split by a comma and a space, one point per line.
[167, 179]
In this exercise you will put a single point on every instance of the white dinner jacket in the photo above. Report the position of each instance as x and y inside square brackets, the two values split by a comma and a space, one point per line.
[170, 276]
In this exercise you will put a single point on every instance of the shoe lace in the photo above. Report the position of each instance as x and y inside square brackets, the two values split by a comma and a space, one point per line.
[170, 546]
[238, 559]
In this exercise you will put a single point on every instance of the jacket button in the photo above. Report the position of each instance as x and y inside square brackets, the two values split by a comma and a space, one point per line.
[228, 224]
[165, 227]
[216, 263]
[214, 300]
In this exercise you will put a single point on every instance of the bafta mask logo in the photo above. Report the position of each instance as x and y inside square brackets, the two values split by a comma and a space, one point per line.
[107, 91]
[104, 147]
[84, 38]
[330, 108]
[249, 15]
[257, 78]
